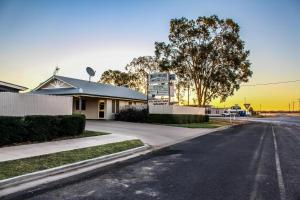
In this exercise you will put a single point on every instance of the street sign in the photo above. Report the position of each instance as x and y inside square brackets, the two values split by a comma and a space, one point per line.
[247, 105]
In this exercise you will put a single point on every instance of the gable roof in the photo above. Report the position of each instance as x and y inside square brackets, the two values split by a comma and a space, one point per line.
[82, 87]
[13, 86]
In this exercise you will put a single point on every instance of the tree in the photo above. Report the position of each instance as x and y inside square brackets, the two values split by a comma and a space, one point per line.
[141, 67]
[118, 78]
[207, 51]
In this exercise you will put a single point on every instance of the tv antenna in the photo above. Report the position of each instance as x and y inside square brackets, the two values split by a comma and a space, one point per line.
[90, 72]
[56, 70]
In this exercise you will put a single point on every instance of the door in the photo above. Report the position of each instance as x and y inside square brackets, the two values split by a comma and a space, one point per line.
[101, 109]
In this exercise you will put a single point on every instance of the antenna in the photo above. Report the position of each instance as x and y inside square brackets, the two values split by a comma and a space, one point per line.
[90, 72]
[56, 70]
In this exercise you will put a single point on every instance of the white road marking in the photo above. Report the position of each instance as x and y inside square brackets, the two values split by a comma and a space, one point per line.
[255, 159]
[278, 169]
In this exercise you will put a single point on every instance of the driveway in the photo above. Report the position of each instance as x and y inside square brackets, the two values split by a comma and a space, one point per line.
[152, 134]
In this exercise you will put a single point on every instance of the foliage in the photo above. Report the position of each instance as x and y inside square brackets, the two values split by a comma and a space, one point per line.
[176, 119]
[39, 128]
[118, 78]
[141, 67]
[132, 115]
[207, 51]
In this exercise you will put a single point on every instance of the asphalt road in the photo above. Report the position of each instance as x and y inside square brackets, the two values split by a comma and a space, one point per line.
[252, 161]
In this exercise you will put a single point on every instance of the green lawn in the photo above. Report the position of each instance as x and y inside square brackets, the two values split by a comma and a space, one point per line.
[27, 165]
[211, 124]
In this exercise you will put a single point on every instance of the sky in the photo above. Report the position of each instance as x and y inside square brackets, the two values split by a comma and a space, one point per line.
[37, 35]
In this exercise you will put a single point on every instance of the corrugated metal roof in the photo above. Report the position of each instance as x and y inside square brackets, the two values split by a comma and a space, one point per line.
[92, 88]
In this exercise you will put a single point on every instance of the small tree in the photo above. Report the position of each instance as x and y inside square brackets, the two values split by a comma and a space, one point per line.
[140, 67]
[118, 78]
[209, 52]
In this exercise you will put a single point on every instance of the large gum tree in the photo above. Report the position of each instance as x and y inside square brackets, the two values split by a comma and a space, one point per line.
[208, 52]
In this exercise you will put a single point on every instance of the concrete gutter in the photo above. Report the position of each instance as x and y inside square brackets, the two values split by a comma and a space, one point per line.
[23, 182]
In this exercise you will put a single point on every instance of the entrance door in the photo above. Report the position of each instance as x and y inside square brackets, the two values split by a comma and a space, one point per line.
[101, 109]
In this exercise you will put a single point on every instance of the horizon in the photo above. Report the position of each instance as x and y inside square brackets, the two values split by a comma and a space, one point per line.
[36, 36]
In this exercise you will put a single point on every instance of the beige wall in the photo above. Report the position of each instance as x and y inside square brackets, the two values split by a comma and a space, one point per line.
[91, 111]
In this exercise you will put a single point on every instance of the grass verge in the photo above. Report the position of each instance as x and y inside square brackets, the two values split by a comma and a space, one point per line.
[213, 123]
[18, 167]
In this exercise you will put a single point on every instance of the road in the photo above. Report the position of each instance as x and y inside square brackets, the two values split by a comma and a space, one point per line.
[250, 161]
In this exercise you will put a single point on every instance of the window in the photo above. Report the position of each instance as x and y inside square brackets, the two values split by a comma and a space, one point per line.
[113, 106]
[83, 104]
[117, 106]
[130, 103]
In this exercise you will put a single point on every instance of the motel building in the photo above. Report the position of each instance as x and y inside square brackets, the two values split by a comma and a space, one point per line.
[94, 100]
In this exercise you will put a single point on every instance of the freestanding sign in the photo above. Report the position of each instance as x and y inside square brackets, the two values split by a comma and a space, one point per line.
[159, 85]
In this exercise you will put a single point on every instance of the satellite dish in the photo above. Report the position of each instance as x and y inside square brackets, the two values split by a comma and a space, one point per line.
[90, 72]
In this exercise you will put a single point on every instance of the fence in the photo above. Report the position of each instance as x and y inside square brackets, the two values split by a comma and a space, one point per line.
[16, 104]
[175, 109]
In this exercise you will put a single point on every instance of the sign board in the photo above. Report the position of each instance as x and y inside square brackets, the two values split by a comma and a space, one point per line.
[159, 90]
[247, 105]
[156, 102]
[160, 77]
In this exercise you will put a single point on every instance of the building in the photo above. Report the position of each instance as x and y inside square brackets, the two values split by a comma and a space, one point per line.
[94, 100]
[9, 87]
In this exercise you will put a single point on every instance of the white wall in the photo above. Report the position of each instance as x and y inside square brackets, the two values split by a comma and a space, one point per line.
[18, 104]
[175, 109]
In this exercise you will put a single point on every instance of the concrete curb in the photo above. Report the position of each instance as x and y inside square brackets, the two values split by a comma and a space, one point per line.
[26, 181]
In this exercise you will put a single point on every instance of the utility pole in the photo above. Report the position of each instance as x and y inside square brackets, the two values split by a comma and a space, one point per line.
[289, 107]
[260, 108]
[293, 106]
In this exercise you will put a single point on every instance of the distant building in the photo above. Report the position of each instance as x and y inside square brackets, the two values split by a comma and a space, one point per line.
[94, 100]
[9, 87]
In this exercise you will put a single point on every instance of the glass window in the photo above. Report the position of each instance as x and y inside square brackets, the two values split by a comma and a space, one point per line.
[83, 104]
[117, 106]
[113, 106]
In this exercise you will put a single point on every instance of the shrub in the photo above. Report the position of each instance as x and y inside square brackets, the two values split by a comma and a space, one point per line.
[39, 128]
[12, 130]
[176, 119]
[132, 115]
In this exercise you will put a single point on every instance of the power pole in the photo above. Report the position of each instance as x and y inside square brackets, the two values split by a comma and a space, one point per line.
[293, 106]
[289, 107]
[260, 107]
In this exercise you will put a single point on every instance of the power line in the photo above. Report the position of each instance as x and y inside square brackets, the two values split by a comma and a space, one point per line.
[272, 83]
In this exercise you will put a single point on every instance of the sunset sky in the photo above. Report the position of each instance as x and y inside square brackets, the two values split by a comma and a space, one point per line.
[37, 35]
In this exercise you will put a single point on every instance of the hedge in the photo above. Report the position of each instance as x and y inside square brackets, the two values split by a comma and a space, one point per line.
[176, 119]
[39, 128]
[134, 115]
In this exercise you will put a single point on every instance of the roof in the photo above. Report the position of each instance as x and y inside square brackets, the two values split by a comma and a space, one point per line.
[82, 87]
[13, 86]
